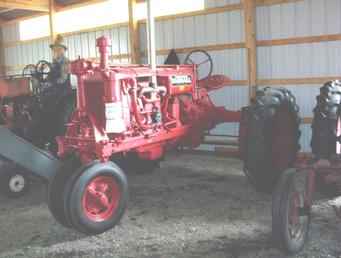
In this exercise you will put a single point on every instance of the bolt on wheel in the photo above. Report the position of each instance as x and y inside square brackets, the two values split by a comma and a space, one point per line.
[101, 198]
[96, 197]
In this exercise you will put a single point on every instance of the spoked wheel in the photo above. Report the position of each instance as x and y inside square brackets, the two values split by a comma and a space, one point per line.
[29, 70]
[96, 197]
[203, 61]
[291, 211]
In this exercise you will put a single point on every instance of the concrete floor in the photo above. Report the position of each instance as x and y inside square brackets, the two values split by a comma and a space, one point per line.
[193, 206]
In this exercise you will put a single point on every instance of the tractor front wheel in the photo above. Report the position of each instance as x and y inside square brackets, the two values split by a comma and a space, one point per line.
[96, 198]
[291, 205]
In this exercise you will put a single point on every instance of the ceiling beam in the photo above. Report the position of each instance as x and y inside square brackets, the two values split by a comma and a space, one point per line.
[6, 10]
[32, 5]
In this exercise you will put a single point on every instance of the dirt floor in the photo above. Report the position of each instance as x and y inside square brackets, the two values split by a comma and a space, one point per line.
[193, 206]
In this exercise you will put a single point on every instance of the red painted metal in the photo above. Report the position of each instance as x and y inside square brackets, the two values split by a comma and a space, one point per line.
[119, 110]
[101, 198]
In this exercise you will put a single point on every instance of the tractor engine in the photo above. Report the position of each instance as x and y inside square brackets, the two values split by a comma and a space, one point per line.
[124, 109]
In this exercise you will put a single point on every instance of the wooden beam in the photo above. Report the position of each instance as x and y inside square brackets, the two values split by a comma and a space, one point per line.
[2, 57]
[33, 5]
[274, 2]
[299, 40]
[6, 10]
[216, 47]
[52, 20]
[226, 8]
[78, 5]
[250, 36]
[134, 33]
[296, 81]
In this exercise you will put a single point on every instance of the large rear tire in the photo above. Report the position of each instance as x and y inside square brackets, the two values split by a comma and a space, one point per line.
[269, 137]
[324, 124]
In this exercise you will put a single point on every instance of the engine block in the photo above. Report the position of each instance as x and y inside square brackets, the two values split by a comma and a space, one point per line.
[133, 108]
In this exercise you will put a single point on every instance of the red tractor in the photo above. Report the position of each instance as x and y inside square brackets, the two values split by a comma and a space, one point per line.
[125, 115]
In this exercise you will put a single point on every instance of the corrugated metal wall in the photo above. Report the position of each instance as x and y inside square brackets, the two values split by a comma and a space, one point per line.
[79, 44]
[302, 18]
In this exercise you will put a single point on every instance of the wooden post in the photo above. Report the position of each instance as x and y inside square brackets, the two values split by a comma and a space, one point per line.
[3, 70]
[134, 33]
[251, 44]
[52, 10]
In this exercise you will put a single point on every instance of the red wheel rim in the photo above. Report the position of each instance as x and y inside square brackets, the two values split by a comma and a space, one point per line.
[101, 198]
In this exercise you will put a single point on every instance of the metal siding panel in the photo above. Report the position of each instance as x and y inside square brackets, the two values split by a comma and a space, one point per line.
[189, 28]
[237, 28]
[124, 40]
[179, 33]
[159, 33]
[223, 28]
[143, 38]
[333, 9]
[168, 32]
[92, 45]
[200, 30]
[115, 41]
[318, 17]
[288, 20]
[211, 29]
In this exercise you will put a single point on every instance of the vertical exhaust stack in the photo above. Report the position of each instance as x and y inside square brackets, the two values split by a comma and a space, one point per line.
[151, 38]
[103, 44]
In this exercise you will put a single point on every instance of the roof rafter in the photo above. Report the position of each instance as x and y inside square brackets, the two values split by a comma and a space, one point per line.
[32, 5]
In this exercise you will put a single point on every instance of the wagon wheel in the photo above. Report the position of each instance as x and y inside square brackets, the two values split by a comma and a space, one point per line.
[203, 61]
[291, 210]
[43, 69]
[29, 70]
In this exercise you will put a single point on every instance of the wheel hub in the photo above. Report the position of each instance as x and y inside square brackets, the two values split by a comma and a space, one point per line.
[101, 198]
[296, 217]
[17, 183]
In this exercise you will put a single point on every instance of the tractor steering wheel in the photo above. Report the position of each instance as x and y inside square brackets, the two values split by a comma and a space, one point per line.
[203, 61]
[29, 70]
[43, 70]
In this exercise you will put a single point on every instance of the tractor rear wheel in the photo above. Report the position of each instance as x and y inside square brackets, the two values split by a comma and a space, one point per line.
[324, 124]
[96, 198]
[269, 137]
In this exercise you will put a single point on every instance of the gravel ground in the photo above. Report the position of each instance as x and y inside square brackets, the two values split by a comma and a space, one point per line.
[193, 206]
